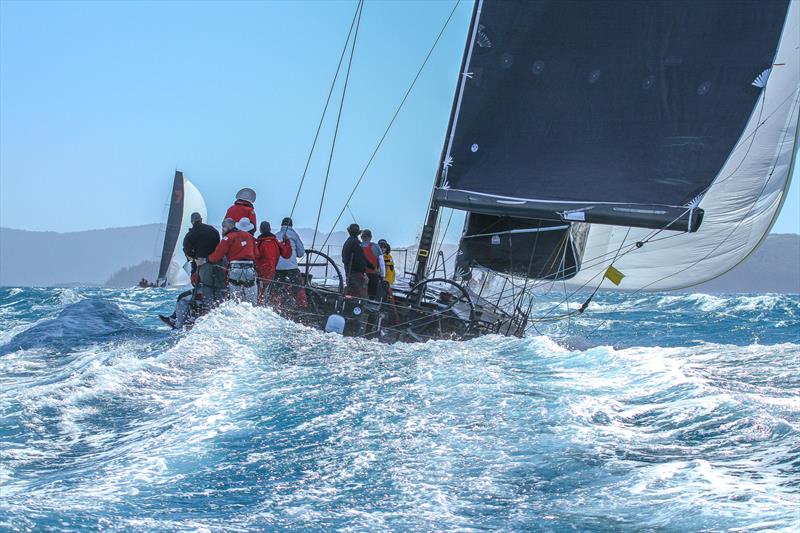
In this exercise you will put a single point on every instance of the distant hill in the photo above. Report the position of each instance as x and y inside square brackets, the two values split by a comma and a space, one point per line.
[120, 257]
[130, 276]
[773, 267]
[45, 258]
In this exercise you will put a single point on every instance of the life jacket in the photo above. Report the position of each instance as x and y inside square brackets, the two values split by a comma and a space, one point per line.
[242, 209]
[390, 274]
[372, 258]
[236, 246]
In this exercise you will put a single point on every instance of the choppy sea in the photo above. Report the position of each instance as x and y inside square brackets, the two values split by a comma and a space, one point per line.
[663, 412]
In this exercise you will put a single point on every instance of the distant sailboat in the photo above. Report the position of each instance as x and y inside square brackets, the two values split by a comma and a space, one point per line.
[185, 200]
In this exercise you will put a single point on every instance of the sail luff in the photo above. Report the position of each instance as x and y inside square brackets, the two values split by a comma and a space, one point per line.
[429, 228]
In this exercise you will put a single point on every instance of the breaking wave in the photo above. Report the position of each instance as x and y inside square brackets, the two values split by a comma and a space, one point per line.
[649, 413]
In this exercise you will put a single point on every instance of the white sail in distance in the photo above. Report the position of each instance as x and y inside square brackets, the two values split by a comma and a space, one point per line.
[186, 199]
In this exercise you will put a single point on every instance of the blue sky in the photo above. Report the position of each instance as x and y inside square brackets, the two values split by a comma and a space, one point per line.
[101, 101]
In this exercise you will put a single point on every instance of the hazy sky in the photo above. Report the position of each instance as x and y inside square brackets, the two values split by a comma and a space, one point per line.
[101, 101]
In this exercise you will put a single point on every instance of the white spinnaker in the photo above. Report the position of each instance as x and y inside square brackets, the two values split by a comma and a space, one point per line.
[192, 202]
[740, 205]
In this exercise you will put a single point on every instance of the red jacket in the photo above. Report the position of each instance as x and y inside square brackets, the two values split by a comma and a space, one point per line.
[236, 246]
[242, 209]
[269, 249]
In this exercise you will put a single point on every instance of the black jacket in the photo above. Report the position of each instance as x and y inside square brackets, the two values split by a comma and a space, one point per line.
[200, 241]
[353, 257]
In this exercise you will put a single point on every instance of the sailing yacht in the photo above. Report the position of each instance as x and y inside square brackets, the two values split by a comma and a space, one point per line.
[613, 144]
[184, 200]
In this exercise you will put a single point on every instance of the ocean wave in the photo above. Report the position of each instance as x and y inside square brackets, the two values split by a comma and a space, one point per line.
[252, 422]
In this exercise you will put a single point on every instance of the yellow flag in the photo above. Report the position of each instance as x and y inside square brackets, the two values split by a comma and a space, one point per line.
[614, 275]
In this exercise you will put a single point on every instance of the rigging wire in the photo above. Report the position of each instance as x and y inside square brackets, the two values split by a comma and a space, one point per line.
[336, 129]
[351, 214]
[394, 117]
[325, 109]
[441, 241]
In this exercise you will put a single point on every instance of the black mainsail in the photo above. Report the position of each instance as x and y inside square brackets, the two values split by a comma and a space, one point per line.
[616, 112]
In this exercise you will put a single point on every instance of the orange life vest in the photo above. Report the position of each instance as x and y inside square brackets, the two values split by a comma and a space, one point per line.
[372, 258]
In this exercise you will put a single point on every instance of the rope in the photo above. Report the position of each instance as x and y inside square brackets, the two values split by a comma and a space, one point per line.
[336, 129]
[325, 109]
[441, 243]
[391, 122]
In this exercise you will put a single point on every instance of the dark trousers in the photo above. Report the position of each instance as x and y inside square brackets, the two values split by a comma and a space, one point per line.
[374, 286]
[357, 284]
[212, 283]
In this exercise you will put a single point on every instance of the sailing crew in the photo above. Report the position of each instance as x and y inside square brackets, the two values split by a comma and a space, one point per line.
[182, 308]
[286, 271]
[228, 225]
[388, 261]
[239, 247]
[200, 242]
[355, 264]
[377, 272]
[270, 250]
[243, 207]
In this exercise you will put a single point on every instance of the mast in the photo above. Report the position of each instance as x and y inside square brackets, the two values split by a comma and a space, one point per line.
[428, 230]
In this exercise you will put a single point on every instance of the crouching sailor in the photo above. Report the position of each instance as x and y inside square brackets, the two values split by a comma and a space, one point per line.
[183, 307]
[199, 243]
[239, 247]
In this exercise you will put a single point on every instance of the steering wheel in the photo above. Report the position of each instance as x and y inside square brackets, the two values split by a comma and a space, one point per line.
[308, 264]
[463, 297]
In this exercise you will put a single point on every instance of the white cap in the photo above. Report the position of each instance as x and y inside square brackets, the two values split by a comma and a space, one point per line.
[244, 224]
[246, 194]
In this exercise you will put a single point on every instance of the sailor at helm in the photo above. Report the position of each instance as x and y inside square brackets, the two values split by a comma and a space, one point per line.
[243, 207]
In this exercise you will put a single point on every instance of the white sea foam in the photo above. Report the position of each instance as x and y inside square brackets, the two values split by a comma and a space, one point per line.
[251, 422]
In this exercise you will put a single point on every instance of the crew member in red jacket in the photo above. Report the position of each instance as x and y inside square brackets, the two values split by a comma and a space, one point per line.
[243, 207]
[239, 247]
[269, 249]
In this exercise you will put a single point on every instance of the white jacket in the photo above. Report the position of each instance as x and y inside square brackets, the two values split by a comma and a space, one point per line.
[298, 250]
